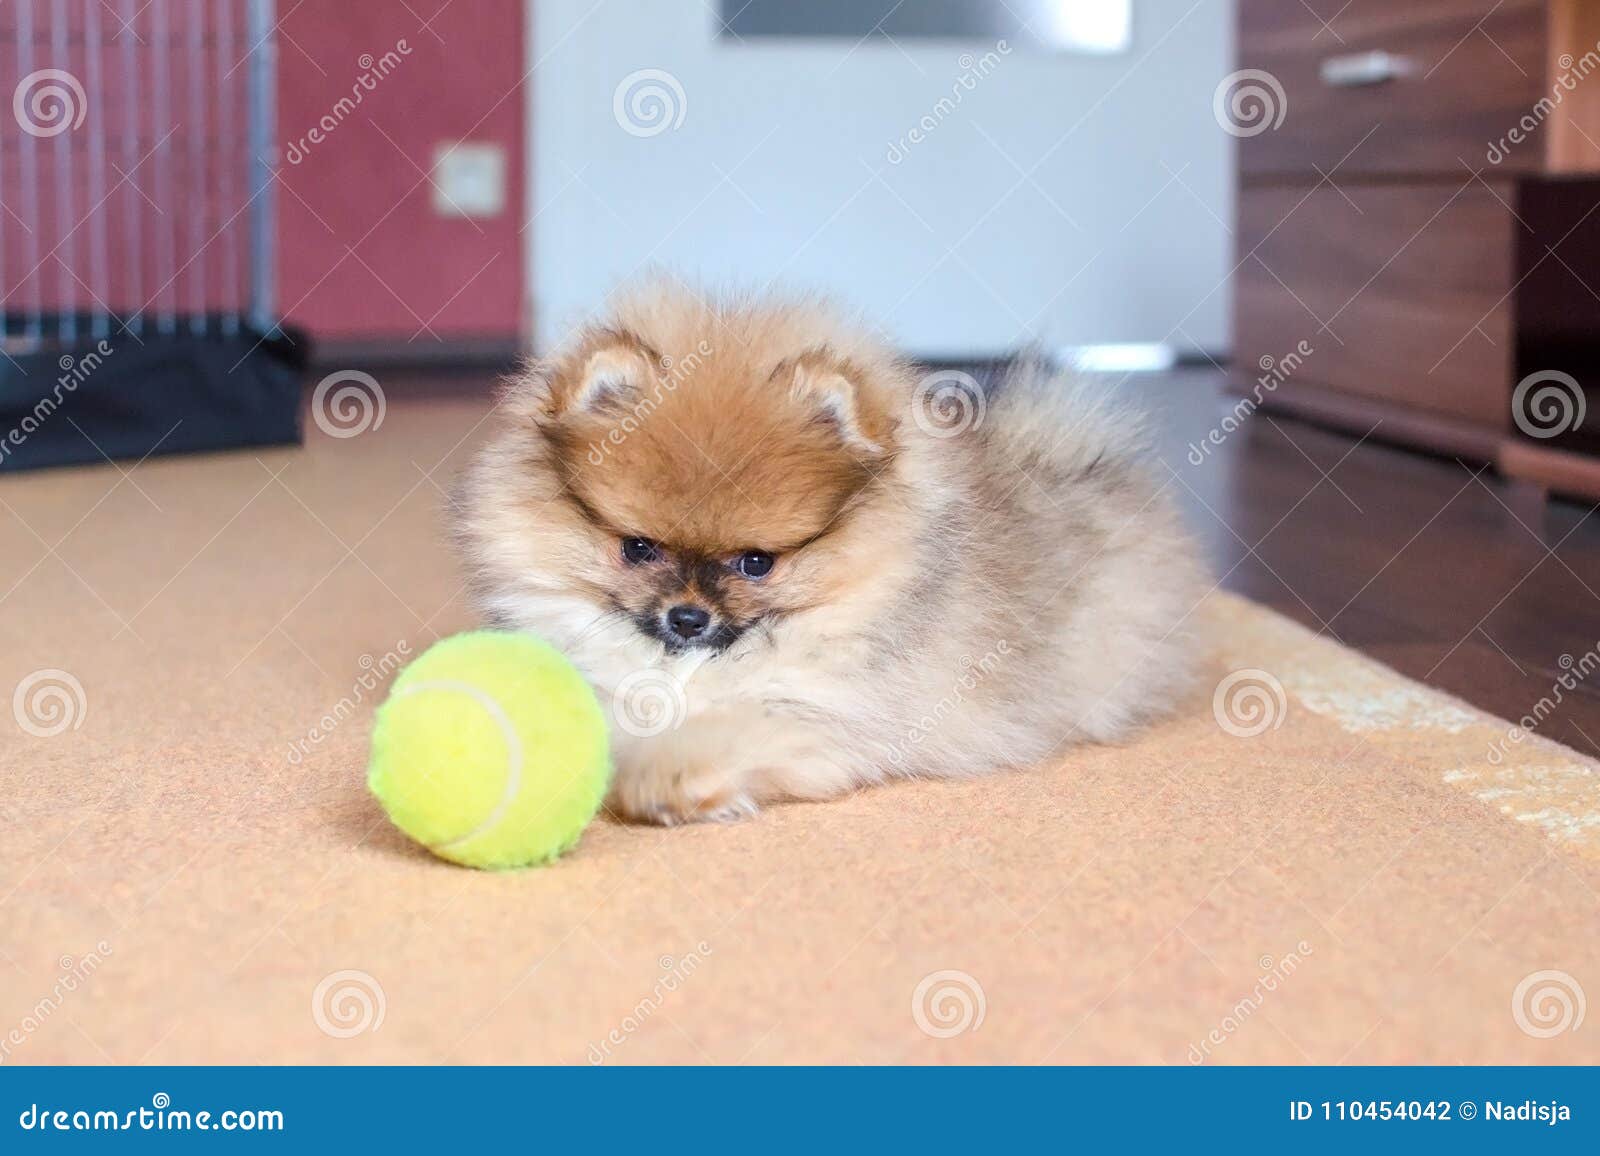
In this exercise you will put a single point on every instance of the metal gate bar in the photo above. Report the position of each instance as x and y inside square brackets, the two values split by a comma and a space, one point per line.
[153, 208]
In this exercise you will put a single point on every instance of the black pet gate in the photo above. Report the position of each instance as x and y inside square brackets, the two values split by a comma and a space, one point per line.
[136, 231]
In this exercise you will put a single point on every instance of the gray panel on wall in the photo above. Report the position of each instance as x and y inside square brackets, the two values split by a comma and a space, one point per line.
[1099, 26]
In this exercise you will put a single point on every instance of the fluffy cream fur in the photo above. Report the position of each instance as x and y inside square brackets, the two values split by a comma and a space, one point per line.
[964, 582]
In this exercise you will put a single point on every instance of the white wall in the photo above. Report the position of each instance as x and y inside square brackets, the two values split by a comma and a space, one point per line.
[780, 169]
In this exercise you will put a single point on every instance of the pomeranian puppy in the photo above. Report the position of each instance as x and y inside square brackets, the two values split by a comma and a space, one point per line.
[792, 565]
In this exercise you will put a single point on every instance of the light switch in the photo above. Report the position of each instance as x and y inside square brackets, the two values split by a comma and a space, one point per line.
[469, 179]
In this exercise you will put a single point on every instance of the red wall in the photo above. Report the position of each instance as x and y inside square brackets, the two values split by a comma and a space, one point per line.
[357, 190]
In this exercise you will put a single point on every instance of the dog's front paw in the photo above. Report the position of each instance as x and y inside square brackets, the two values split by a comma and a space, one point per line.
[669, 795]
[698, 772]
[721, 766]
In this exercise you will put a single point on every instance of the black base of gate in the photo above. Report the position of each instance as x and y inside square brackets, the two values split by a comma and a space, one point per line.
[89, 399]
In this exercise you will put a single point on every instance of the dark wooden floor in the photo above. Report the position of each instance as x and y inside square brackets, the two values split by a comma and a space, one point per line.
[1439, 569]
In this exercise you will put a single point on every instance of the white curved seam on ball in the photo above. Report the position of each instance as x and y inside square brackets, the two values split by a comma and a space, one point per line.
[513, 785]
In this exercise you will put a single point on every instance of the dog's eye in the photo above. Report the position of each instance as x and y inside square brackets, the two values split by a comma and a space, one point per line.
[754, 563]
[637, 550]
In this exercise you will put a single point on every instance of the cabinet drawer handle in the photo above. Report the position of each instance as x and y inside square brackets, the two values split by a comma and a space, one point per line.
[1360, 68]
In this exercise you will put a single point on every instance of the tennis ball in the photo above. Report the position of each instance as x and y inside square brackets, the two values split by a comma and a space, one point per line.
[490, 751]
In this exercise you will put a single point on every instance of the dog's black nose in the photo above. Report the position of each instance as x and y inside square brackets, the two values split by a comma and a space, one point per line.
[688, 621]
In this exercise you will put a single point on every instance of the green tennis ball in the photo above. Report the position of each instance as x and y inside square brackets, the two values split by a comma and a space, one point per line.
[490, 751]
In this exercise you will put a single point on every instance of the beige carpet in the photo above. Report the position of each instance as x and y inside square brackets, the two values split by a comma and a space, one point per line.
[191, 870]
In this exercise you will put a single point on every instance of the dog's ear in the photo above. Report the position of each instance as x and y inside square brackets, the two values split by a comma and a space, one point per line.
[607, 368]
[841, 395]
[609, 375]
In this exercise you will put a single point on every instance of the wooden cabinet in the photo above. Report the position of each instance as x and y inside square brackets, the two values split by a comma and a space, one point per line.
[1393, 87]
[1420, 205]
